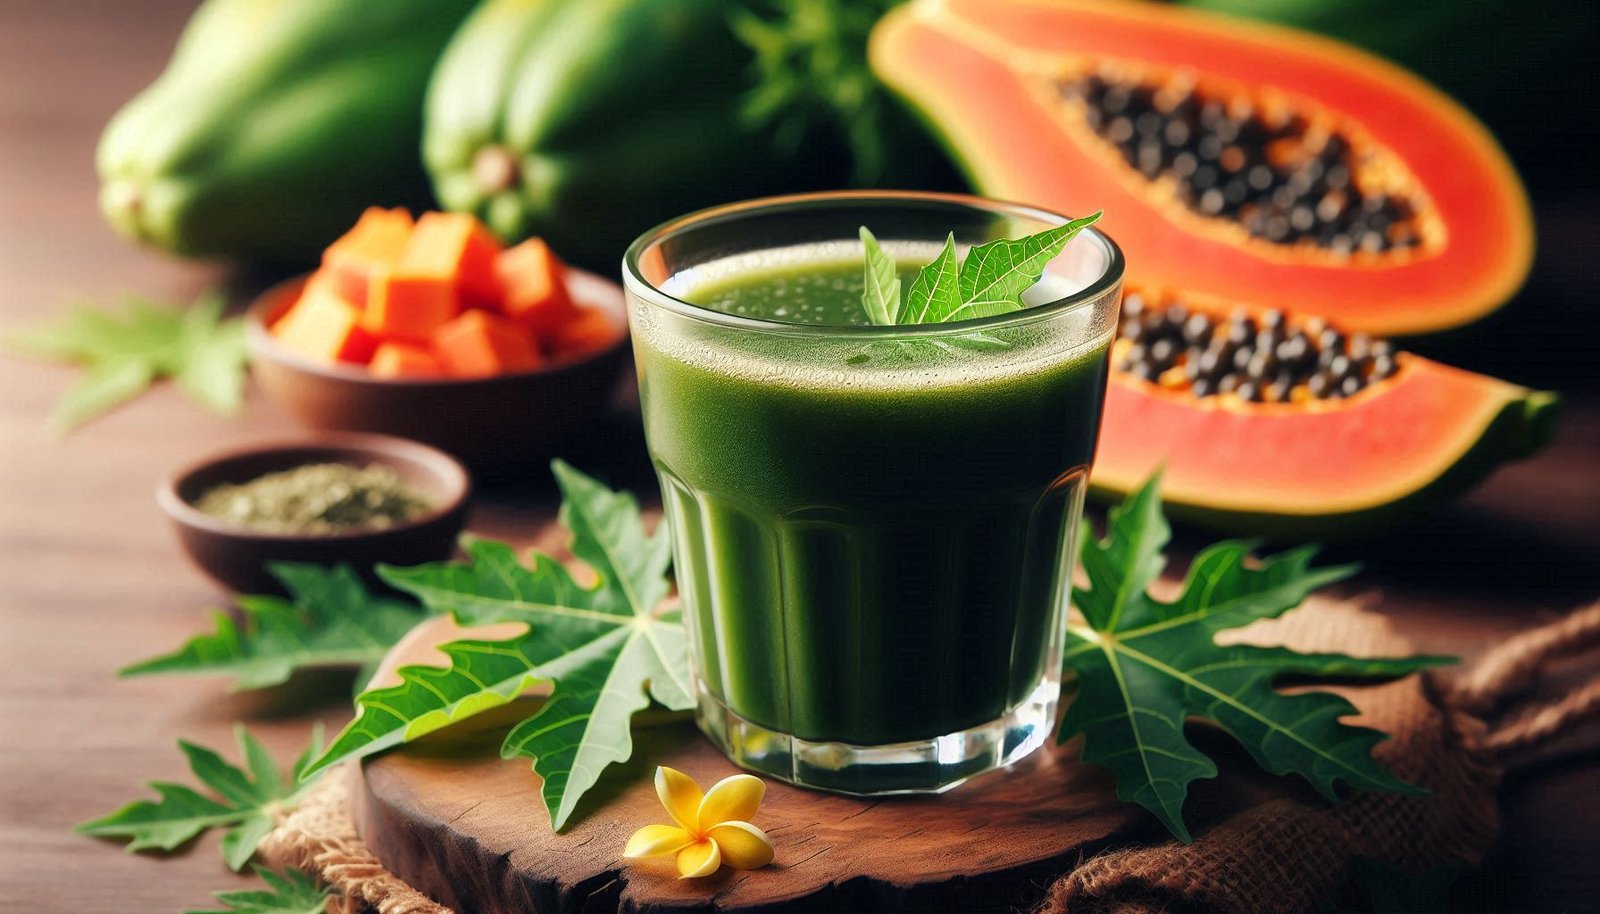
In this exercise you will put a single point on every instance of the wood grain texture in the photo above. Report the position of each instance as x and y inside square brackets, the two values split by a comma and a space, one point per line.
[91, 579]
[464, 826]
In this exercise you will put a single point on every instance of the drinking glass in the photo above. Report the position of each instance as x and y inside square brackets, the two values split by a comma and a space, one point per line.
[873, 527]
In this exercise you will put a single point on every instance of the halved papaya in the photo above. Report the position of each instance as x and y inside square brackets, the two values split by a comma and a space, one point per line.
[1231, 157]
[1268, 424]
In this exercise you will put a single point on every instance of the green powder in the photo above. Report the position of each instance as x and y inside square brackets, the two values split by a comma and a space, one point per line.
[317, 498]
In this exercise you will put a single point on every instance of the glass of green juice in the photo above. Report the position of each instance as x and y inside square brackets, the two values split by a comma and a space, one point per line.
[873, 526]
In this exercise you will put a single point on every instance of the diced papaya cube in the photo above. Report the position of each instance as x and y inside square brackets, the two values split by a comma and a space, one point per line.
[403, 360]
[588, 330]
[406, 305]
[459, 246]
[323, 327]
[533, 284]
[376, 242]
[477, 343]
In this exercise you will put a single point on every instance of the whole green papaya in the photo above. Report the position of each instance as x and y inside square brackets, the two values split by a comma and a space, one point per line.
[588, 121]
[275, 124]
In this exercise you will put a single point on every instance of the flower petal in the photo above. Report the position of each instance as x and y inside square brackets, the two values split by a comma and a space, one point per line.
[655, 840]
[679, 794]
[731, 799]
[743, 846]
[701, 858]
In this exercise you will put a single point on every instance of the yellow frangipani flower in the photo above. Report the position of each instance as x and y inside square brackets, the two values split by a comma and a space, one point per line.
[713, 827]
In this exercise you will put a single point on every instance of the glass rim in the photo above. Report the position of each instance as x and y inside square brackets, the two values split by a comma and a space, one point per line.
[635, 282]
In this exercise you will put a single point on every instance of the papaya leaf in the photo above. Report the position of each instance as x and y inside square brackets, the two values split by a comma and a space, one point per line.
[1145, 666]
[990, 281]
[329, 619]
[212, 357]
[608, 648]
[105, 386]
[247, 801]
[936, 290]
[124, 351]
[994, 275]
[880, 295]
[289, 892]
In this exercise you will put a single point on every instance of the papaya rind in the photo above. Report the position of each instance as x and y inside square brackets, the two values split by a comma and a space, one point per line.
[1524, 424]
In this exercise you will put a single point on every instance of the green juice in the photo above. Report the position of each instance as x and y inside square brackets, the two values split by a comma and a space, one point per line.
[872, 543]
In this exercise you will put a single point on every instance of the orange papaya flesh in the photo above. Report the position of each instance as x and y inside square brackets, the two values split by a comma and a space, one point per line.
[534, 287]
[588, 330]
[375, 243]
[407, 305]
[323, 327]
[456, 245]
[1383, 205]
[1282, 458]
[402, 360]
[479, 344]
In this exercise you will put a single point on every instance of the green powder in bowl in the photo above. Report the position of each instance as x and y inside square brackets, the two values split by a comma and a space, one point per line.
[317, 498]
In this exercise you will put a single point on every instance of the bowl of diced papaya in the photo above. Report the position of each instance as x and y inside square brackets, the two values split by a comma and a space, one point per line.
[431, 329]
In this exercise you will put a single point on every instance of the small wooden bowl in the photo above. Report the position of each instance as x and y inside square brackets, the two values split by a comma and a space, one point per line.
[496, 425]
[238, 557]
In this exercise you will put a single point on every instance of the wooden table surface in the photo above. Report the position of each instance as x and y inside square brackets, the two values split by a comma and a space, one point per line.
[91, 579]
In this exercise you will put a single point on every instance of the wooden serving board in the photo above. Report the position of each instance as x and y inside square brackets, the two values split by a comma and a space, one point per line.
[467, 828]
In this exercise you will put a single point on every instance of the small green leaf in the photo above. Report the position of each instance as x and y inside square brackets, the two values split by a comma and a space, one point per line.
[1144, 667]
[881, 294]
[209, 365]
[124, 351]
[607, 648]
[240, 843]
[330, 619]
[994, 275]
[247, 802]
[936, 292]
[179, 814]
[103, 388]
[291, 892]
[990, 281]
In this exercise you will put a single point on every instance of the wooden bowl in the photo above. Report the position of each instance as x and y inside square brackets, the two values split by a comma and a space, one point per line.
[497, 425]
[238, 557]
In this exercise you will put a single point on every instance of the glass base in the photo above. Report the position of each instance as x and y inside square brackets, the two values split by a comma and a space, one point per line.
[921, 766]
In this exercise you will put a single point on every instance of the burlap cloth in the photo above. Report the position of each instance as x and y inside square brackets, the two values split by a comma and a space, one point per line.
[1288, 856]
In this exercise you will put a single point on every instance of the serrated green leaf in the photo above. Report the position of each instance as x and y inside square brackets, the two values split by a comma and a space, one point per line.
[248, 802]
[330, 619]
[994, 275]
[124, 351]
[989, 281]
[936, 292]
[179, 814]
[1145, 666]
[291, 892]
[606, 647]
[481, 675]
[104, 387]
[880, 295]
[241, 841]
[209, 364]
